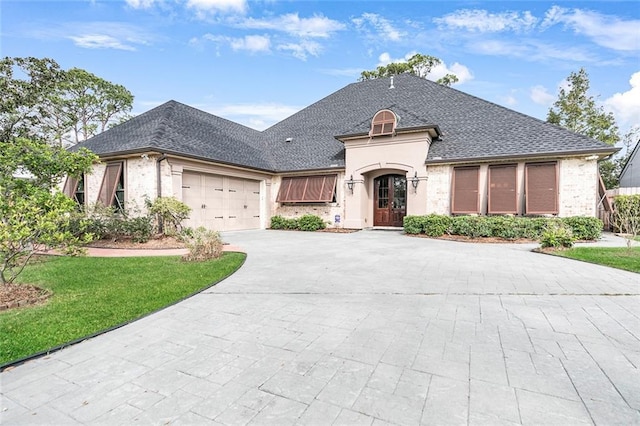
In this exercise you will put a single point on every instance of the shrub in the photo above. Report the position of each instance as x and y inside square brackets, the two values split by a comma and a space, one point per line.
[170, 212]
[584, 228]
[470, 226]
[557, 235]
[279, 222]
[435, 225]
[310, 222]
[412, 224]
[204, 244]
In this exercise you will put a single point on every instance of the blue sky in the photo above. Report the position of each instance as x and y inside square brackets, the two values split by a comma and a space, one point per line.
[256, 62]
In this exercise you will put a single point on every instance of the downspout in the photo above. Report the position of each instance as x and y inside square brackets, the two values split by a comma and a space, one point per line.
[159, 186]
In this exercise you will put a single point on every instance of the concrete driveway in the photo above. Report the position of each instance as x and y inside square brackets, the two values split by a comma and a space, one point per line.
[366, 328]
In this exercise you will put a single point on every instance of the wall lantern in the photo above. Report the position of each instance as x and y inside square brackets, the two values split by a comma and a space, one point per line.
[350, 183]
[414, 182]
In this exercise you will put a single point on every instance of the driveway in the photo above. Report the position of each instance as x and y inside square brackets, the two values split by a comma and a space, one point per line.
[366, 328]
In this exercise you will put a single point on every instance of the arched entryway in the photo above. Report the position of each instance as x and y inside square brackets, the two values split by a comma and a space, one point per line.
[390, 200]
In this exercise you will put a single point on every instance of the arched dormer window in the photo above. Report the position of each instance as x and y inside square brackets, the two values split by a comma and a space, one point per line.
[383, 123]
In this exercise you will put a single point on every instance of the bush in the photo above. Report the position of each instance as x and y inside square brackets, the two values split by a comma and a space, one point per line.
[310, 222]
[584, 228]
[412, 224]
[204, 244]
[170, 213]
[557, 235]
[435, 225]
[470, 226]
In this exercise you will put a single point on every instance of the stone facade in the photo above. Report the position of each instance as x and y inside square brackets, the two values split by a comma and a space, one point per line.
[578, 191]
[438, 189]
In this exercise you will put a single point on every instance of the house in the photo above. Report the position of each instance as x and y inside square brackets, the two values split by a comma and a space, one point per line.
[630, 173]
[364, 156]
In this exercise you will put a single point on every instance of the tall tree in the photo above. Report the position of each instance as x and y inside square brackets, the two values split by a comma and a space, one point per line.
[26, 85]
[577, 111]
[43, 102]
[418, 64]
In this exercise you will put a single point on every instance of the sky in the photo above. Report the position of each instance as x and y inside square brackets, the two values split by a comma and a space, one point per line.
[257, 62]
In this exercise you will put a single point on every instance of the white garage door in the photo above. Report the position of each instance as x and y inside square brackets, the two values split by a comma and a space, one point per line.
[221, 203]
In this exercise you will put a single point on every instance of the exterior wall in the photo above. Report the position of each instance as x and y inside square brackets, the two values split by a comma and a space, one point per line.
[630, 176]
[140, 182]
[92, 183]
[439, 190]
[367, 158]
[327, 211]
[578, 187]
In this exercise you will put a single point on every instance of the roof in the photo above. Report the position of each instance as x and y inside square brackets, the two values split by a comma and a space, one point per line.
[626, 174]
[180, 129]
[471, 129]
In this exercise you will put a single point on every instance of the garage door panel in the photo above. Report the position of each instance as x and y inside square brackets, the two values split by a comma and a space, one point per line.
[222, 203]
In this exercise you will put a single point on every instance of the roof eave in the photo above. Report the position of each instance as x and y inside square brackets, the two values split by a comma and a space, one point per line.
[399, 130]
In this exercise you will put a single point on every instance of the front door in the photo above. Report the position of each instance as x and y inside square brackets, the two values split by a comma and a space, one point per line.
[390, 203]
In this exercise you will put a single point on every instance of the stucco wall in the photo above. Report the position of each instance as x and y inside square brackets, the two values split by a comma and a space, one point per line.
[578, 187]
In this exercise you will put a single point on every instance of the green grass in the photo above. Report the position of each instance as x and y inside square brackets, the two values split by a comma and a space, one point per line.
[91, 294]
[621, 258]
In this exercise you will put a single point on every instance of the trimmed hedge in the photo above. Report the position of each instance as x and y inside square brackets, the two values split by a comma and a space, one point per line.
[308, 222]
[507, 227]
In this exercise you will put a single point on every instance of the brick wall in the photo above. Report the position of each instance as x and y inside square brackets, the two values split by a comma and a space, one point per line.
[438, 189]
[578, 187]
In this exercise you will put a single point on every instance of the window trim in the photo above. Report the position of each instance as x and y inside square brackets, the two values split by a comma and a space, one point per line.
[477, 190]
[380, 119]
[300, 185]
[556, 188]
[515, 189]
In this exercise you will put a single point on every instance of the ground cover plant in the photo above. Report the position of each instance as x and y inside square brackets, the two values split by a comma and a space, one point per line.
[91, 294]
[615, 257]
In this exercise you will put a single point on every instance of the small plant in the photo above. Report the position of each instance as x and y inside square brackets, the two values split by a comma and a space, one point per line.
[412, 224]
[584, 228]
[310, 222]
[557, 235]
[436, 225]
[204, 244]
[626, 216]
[169, 213]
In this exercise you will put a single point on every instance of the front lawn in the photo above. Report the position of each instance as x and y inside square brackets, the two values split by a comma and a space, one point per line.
[91, 294]
[621, 258]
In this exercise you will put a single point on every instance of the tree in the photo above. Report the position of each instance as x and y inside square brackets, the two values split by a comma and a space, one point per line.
[42, 102]
[33, 211]
[418, 64]
[26, 85]
[576, 110]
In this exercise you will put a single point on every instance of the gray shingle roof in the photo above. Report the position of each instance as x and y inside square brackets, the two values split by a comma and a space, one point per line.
[180, 129]
[472, 129]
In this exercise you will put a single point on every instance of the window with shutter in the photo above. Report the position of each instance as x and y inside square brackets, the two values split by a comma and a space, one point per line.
[465, 190]
[112, 188]
[502, 189]
[70, 186]
[307, 189]
[383, 123]
[541, 185]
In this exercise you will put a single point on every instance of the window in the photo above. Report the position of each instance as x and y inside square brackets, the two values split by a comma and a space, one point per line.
[502, 189]
[383, 123]
[112, 188]
[541, 183]
[307, 189]
[465, 190]
[74, 189]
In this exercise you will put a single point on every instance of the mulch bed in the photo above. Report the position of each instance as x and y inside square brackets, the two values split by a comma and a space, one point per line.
[126, 243]
[488, 240]
[20, 295]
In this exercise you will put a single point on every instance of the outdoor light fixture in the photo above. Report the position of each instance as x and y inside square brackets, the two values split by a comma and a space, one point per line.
[414, 182]
[350, 184]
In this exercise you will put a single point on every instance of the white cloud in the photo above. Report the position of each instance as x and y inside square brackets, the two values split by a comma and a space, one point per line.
[606, 30]
[250, 43]
[254, 43]
[541, 96]
[318, 26]
[383, 27]
[626, 105]
[302, 49]
[214, 6]
[257, 116]
[100, 41]
[141, 4]
[531, 50]
[482, 21]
